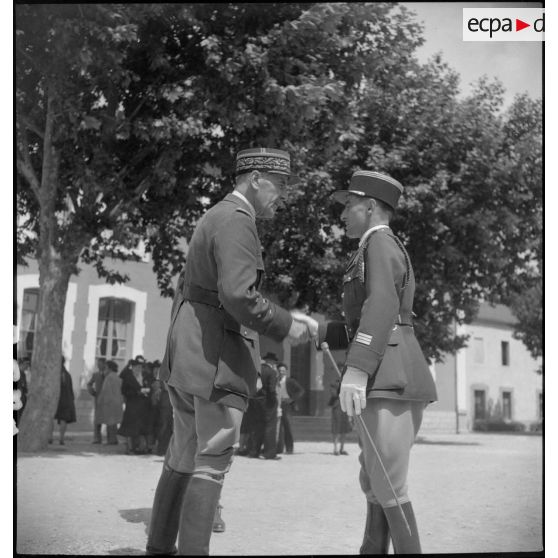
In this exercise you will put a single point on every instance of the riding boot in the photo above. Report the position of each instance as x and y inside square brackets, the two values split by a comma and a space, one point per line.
[165, 514]
[196, 520]
[403, 542]
[376, 532]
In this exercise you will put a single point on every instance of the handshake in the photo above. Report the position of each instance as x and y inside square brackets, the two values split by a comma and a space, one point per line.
[302, 329]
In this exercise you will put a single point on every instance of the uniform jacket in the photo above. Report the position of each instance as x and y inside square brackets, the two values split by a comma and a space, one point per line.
[378, 293]
[212, 346]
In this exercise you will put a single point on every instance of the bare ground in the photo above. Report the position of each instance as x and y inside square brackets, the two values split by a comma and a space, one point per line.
[472, 493]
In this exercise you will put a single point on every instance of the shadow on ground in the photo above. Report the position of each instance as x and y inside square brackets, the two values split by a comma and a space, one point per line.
[126, 552]
[83, 448]
[138, 515]
[425, 442]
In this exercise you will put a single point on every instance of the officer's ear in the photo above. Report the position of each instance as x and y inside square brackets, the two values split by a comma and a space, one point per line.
[371, 205]
[254, 178]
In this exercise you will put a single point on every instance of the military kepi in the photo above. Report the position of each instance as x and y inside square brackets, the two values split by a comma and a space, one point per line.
[265, 159]
[372, 184]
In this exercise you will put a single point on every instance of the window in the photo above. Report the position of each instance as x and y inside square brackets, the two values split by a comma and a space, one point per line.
[505, 353]
[478, 350]
[507, 405]
[30, 309]
[480, 404]
[114, 330]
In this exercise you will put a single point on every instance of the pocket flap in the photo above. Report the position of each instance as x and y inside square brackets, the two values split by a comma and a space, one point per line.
[233, 326]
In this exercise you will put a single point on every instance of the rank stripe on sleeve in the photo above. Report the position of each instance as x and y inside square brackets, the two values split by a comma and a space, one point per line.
[363, 338]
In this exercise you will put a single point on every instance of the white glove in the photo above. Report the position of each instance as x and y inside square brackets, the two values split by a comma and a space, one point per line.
[352, 395]
[310, 322]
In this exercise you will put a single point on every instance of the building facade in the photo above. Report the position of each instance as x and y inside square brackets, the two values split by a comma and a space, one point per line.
[493, 378]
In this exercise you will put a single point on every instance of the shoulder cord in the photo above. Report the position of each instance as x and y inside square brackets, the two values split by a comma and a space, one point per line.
[361, 266]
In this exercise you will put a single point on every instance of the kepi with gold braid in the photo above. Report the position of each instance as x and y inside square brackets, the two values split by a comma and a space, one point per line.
[265, 159]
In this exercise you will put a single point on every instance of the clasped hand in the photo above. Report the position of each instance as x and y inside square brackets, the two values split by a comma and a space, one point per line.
[303, 328]
[352, 394]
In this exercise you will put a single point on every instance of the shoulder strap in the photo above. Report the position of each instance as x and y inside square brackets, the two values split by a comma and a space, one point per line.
[360, 261]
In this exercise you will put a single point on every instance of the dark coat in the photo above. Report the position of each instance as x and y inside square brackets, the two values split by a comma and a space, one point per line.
[66, 410]
[108, 402]
[136, 412]
[270, 381]
[378, 293]
[212, 346]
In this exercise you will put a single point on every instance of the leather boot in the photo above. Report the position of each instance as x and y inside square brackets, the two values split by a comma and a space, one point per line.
[196, 519]
[376, 532]
[165, 514]
[218, 523]
[403, 543]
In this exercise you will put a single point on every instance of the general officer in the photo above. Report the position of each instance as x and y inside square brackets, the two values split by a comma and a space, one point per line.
[212, 354]
[387, 380]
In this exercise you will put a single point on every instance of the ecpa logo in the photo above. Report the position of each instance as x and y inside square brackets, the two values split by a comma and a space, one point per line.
[503, 24]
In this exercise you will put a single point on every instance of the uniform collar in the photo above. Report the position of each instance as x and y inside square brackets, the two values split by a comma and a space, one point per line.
[369, 232]
[245, 200]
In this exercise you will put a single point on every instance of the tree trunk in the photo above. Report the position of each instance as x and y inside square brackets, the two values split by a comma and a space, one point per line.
[44, 390]
[55, 268]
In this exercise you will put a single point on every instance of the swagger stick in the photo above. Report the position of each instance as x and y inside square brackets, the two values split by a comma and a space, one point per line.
[325, 349]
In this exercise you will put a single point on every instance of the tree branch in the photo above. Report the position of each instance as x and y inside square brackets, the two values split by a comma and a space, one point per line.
[30, 126]
[29, 174]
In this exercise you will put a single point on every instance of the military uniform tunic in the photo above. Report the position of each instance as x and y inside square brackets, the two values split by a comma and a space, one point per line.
[212, 347]
[378, 293]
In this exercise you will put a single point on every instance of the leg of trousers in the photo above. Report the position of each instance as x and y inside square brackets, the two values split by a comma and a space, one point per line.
[97, 433]
[270, 436]
[202, 444]
[287, 430]
[111, 433]
[393, 425]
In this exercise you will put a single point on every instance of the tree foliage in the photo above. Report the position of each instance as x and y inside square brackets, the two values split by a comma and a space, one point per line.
[129, 118]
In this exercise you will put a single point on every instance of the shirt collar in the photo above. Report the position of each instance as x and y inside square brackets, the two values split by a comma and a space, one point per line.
[369, 232]
[245, 200]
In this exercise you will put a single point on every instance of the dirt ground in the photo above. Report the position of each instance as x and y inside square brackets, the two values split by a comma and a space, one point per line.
[472, 493]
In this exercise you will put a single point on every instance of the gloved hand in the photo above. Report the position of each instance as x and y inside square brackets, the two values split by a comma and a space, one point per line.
[352, 394]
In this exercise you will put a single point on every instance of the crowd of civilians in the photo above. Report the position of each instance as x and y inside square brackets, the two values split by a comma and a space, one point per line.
[146, 421]
[135, 405]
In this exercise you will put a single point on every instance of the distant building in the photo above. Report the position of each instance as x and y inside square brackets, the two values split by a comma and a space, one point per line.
[494, 376]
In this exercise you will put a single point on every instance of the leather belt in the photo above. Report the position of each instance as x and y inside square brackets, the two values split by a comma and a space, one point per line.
[193, 293]
[405, 319]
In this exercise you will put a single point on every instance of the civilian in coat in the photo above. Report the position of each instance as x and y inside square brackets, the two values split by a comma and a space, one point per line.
[290, 391]
[136, 412]
[110, 401]
[265, 429]
[340, 422]
[66, 410]
[94, 386]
